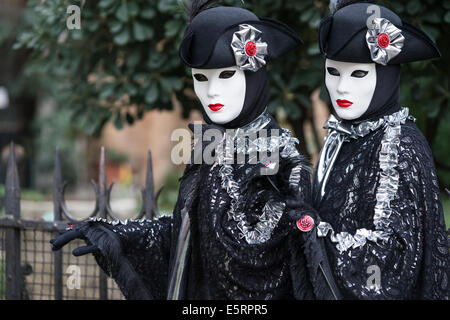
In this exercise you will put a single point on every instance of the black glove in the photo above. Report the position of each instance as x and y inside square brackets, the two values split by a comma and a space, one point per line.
[300, 210]
[67, 236]
[322, 278]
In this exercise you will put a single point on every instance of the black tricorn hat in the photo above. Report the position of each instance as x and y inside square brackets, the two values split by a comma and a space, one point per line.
[218, 38]
[346, 36]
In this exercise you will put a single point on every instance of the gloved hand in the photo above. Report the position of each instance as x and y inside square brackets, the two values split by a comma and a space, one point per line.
[322, 278]
[72, 234]
[305, 216]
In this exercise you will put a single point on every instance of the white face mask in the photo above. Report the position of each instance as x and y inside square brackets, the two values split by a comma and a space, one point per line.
[351, 87]
[221, 92]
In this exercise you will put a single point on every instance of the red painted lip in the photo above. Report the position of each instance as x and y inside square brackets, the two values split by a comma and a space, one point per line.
[344, 103]
[215, 107]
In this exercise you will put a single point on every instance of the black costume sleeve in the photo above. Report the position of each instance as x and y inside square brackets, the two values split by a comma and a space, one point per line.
[295, 176]
[135, 253]
[414, 261]
[316, 281]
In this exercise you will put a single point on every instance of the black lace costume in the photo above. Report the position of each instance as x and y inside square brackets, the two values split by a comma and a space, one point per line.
[375, 186]
[220, 262]
[408, 242]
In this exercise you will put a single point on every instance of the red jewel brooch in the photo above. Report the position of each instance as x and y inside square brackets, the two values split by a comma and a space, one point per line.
[250, 48]
[383, 41]
[305, 223]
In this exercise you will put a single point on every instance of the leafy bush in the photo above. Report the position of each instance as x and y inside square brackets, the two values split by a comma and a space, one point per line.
[124, 61]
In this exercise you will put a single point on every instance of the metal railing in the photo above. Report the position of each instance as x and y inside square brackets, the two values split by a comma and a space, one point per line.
[29, 269]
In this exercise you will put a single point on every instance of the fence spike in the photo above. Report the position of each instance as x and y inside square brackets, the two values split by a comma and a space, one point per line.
[108, 202]
[57, 187]
[102, 181]
[101, 199]
[104, 194]
[12, 185]
[149, 194]
[60, 209]
[13, 274]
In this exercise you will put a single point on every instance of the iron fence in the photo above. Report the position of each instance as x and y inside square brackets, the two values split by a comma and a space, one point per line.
[29, 269]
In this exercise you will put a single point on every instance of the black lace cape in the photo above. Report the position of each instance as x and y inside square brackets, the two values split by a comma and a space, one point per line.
[414, 262]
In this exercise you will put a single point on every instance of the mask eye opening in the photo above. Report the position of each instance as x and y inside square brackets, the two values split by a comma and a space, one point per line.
[359, 73]
[200, 77]
[333, 71]
[227, 74]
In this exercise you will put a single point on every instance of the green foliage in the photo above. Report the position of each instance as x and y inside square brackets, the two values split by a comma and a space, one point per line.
[169, 194]
[124, 61]
[26, 194]
[446, 206]
[54, 129]
[425, 86]
[121, 62]
[115, 157]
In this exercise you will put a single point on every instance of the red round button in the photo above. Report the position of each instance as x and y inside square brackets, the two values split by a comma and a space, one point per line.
[250, 48]
[305, 223]
[383, 40]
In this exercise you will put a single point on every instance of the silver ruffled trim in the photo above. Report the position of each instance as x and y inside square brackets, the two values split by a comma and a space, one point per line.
[126, 221]
[243, 144]
[116, 222]
[389, 177]
[382, 26]
[239, 41]
[346, 241]
[268, 220]
[244, 141]
[272, 210]
[364, 128]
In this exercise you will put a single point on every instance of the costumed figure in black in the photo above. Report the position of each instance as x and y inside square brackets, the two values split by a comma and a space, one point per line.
[376, 195]
[228, 237]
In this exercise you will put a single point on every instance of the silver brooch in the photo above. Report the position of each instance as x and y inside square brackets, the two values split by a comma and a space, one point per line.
[248, 48]
[385, 41]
